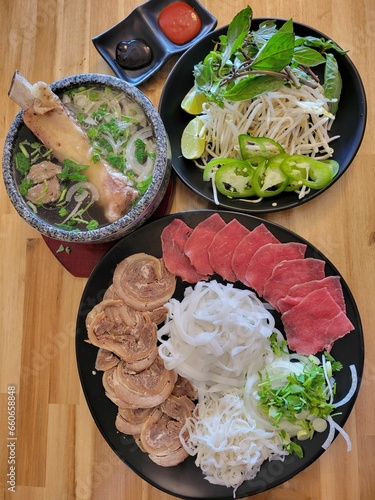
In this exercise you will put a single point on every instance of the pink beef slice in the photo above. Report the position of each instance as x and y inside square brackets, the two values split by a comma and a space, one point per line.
[196, 246]
[246, 248]
[173, 240]
[266, 258]
[315, 323]
[291, 272]
[297, 292]
[222, 247]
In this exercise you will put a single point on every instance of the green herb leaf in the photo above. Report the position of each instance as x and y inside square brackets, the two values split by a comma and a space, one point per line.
[95, 157]
[332, 82]
[72, 171]
[140, 150]
[336, 365]
[284, 396]
[293, 447]
[22, 163]
[206, 80]
[308, 56]
[93, 224]
[237, 31]
[278, 348]
[243, 54]
[116, 160]
[252, 86]
[92, 133]
[321, 44]
[143, 185]
[261, 36]
[287, 27]
[111, 127]
[276, 54]
[101, 111]
[25, 186]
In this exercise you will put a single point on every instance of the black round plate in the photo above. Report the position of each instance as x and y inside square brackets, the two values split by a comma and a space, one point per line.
[186, 480]
[350, 123]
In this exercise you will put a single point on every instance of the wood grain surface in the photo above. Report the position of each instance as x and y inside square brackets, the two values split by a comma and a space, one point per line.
[60, 454]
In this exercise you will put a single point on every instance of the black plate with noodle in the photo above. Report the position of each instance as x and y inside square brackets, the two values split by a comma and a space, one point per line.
[186, 480]
[349, 124]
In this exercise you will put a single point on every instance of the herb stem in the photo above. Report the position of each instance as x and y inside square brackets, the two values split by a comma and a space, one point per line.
[240, 74]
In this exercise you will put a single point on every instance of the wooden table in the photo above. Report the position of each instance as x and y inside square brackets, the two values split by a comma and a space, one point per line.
[60, 454]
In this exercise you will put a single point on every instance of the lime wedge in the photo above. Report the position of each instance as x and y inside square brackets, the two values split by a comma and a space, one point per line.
[193, 101]
[192, 143]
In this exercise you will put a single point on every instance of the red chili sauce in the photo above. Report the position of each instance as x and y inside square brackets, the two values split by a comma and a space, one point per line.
[179, 22]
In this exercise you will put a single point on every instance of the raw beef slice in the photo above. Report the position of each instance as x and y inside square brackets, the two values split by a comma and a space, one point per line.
[315, 323]
[288, 273]
[223, 245]
[297, 292]
[246, 248]
[196, 246]
[173, 240]
[266, 258]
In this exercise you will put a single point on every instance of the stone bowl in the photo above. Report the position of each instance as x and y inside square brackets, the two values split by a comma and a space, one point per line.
[140, 212]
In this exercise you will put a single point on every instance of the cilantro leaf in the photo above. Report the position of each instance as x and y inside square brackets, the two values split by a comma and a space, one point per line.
[25, 186]
[22, 163]
[116, 160]
[72, 171]
[296, 396]
[140, 150]
[93, 224]
[142, 186]
[278, 348]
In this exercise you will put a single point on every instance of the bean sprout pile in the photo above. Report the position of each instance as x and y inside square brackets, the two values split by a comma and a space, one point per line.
[297, 118]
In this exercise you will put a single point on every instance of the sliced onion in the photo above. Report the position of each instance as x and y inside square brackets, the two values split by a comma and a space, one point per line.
[32, 206]
[327, 443]
[333, 427]
[319, 424]
[216, 199]
[352, 389]
[85, 186]
[328, 379]
[138, 168]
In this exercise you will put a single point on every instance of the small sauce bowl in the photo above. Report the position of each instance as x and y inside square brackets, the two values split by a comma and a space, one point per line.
[142, 24]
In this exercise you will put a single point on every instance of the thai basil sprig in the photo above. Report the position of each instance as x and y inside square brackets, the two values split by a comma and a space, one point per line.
[246, 63]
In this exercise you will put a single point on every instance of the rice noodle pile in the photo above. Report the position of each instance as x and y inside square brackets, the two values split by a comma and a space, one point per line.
[215, 335]
[229, 445]
[297, 118]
